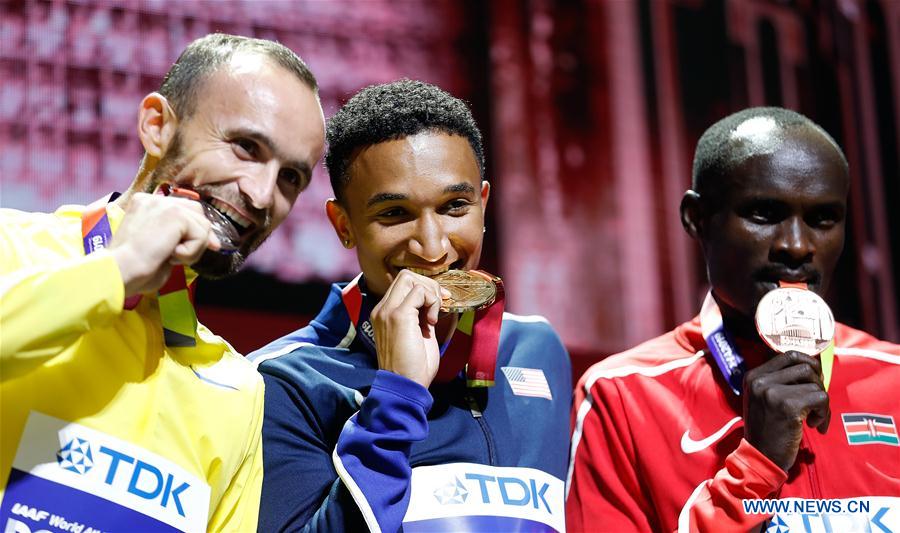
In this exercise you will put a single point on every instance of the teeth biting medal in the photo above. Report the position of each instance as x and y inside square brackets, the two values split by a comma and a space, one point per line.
[223, 228]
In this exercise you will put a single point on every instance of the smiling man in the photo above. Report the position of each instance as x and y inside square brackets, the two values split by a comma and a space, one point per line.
[381, 412]
[119, 411]
[683, 430]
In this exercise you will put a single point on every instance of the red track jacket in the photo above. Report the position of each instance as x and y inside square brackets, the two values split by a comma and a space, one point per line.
[658, 445]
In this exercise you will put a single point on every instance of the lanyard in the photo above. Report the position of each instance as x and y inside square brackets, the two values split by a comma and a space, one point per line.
[472, 346]
[725, 353]
[175, 297]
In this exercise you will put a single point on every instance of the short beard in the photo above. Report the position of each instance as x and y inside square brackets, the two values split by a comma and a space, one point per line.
[216, 265]
[211, 265]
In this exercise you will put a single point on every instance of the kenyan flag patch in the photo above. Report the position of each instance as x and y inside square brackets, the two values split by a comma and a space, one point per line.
[868, 428]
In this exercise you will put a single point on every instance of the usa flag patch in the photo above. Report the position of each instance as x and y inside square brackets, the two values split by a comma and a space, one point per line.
[868, 428]
[527, 382]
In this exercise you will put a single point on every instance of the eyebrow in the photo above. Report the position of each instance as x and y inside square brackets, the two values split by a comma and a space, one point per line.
[393, 197]
[385, 197]
[460, 187]
[270, 145]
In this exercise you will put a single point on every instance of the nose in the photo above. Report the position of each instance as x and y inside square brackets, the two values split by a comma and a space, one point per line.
[429, 242]
[793, 243]
[259, 187]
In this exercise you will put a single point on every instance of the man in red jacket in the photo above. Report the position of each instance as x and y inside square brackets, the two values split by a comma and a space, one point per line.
[695, 430]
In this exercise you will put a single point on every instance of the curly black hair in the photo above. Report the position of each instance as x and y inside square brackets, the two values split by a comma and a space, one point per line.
[718, 151]
[392, 111]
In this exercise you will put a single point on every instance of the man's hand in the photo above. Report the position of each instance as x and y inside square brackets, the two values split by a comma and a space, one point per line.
[779, 396]
[156, 233]
[404, 321]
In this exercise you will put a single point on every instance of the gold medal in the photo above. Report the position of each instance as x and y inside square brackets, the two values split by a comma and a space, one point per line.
[791, 318]
[468, 291]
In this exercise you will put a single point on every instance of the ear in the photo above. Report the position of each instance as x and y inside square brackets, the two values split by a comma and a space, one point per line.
[340, 221]
[692, 214]
[156, 124]
[485, 194]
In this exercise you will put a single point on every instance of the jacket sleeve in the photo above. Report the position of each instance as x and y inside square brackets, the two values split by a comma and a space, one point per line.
[46, 308]
[238, 509]
[605, 492]
[361, 481]
[716, 504]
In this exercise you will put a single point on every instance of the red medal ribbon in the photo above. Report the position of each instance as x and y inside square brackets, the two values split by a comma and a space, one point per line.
[486, 339]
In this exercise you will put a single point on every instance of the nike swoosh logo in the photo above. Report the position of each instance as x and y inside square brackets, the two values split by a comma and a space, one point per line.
[689, 445]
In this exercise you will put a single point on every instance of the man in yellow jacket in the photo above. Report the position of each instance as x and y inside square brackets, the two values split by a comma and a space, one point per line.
[118, 411]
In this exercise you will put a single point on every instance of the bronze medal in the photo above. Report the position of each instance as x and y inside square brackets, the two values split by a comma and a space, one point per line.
[789, 318]
[468, 291]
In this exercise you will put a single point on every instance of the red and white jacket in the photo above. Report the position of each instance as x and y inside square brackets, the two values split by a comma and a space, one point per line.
[658, 439]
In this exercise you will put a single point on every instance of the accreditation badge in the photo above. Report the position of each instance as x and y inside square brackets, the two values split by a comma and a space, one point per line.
[68, 477]
[475, 497]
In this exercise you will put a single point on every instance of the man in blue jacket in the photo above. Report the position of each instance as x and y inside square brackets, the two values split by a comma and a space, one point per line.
[384, 412]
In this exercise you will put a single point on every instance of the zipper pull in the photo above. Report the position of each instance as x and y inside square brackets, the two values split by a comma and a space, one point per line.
[473, 406]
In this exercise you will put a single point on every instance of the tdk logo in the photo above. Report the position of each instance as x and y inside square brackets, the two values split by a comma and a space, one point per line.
[124, 472]
[450, 493]
[144, 480]
[76, 456]
[511, 490]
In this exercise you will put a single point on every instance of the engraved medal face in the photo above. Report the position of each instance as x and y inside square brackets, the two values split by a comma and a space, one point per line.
[789, 318]
[221, 226]
[468, 291]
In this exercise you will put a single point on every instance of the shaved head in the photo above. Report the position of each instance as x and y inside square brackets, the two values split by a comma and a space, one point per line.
[732, 141]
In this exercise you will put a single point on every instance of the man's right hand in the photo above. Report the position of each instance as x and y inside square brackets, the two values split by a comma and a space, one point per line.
[404, 322]
[779, 396]
[156, 233]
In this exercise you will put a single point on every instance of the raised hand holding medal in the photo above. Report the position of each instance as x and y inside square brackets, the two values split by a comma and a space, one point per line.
[222, 227]
[791, 387]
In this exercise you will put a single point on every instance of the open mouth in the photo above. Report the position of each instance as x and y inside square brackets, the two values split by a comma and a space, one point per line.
[240, 223]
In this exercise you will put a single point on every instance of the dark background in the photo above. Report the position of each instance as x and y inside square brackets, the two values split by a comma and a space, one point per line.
[590, 109]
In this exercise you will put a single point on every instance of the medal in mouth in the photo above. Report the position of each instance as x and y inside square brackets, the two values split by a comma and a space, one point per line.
[224, 228]
[791, 317]
[469, 291]
[223, 225]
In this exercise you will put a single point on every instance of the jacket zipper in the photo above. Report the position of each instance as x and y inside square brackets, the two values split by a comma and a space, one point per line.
[811, 466]
[482, 423]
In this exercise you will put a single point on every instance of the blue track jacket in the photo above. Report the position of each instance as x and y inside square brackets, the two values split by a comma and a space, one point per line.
[347, 446]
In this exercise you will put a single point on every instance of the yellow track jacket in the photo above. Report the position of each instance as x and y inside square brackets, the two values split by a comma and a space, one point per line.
[103, 427]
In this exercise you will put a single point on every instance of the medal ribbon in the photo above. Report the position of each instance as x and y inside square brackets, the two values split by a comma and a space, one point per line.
[723, 351]
[472, 346]
[726, 355]
[176, 307]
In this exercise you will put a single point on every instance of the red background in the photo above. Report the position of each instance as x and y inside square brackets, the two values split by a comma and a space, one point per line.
[590, 109]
